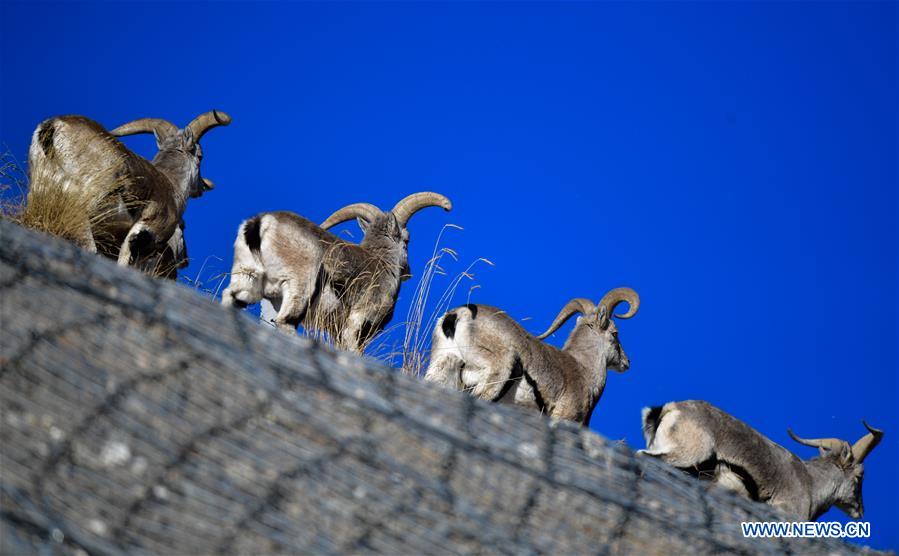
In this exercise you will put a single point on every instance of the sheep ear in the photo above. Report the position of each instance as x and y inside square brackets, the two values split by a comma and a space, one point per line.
[363, 223]
[158, 138]
[846, 455]
[187, 138]
[602, 317]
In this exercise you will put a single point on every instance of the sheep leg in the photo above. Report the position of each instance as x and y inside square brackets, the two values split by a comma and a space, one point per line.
[139, 238]
[235, 298]
[350, 336]
[244, 288]
[445, 368]
[488, 376]
[726, 478]
[125, 251]
[294, 302]
[446, 362]
[246, 283]
[89, 243]
[230, 300]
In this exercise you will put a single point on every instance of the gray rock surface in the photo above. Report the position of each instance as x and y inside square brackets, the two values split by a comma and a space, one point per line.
[140, 417]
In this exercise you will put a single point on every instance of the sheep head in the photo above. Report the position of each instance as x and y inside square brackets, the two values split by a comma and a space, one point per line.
[385, 231]
[179, 149]
[595, 325]
[848, 460]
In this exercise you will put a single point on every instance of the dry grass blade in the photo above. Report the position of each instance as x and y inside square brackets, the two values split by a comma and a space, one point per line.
[327, 316]
[85, 209]
[58, 205]
[414, 353]
[210, 286]
[13, 184]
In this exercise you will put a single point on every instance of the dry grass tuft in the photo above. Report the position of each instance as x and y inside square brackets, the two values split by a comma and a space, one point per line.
[413, 355]
[404, 344]
[54, 206]
[161, 265]
[326, 317]
[13, 185]
[212, 285]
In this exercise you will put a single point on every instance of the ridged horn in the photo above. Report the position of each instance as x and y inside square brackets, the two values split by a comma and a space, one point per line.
[417, 201]
[576, 305]
[620, 295]
[365, 210]
[865, 444]
[206, 121]
[160, 127]
[832, 444]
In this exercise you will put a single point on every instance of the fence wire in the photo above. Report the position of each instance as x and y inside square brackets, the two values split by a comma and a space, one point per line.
[140, 418]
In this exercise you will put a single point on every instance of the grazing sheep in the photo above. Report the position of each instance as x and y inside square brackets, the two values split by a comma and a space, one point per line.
[482, 349]
[141, 202]
[315, 278]
[699, 438]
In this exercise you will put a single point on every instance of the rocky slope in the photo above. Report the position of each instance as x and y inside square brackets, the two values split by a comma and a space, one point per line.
[140, 417]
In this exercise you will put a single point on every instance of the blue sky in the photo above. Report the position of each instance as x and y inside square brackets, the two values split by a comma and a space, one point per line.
[735, 163]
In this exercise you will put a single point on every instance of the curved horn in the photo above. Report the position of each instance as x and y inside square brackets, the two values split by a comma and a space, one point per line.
[365, 210]
[160, 127]
[576, 305]
[417, 201]
[832, 444]
[619, 295]
[865, 444]
[204, 122]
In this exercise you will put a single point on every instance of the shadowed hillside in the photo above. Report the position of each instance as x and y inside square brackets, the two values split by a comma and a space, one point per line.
[139, 417]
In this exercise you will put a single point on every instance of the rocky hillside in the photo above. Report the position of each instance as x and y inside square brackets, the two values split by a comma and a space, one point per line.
[140, 417]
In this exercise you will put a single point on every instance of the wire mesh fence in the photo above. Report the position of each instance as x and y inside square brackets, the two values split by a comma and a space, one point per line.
[139, 417]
